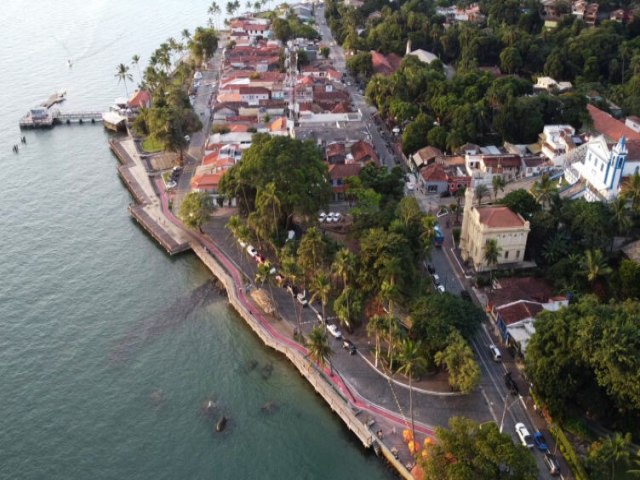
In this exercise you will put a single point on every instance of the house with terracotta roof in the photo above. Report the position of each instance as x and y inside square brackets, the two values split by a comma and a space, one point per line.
[433, 179]
[486, 162]
[279, 126]
[338, 173]
[363, 152]
[139, 99]
[385, 64]
[425, 156]
[482, 223]
[253, 95]
[335, 152]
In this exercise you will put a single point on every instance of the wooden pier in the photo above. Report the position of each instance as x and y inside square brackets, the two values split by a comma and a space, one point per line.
[43, 116]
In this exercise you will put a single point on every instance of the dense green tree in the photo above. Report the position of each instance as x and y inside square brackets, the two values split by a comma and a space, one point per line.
[459, 361]
[629, 279]
[195, 209]
[605, 455]
[522, 202]
[312, 252]
[468, 450]
[294, 167]
[319, 349]
[360, 64]
[203, 44]
[348, 307]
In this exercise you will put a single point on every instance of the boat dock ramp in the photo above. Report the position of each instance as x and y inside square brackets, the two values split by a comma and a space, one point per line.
[43, 116]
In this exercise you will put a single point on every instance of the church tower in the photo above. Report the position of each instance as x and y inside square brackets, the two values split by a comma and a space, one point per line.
[615, 167]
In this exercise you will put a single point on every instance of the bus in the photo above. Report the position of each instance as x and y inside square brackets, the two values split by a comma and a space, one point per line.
[438, 238]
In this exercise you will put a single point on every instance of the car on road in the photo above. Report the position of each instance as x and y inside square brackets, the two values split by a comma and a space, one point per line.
[436, 279]
[495, 353]
[523, 434]
[322, 217]
[302, 298]
[431, 269]
[511, 384]
[540, 441]
[337, 216]
[171, 184]
[348, 345]
[251, 250]
[334, 330]
[242, 243]
[440, 289]
[552, 463]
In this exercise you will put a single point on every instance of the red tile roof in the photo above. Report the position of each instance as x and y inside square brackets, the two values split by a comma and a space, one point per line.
[254, 90]
[428, 153]
[518, 311]
[140, 99]
[278, 124]
[613, 129]
[335, 149]
[344, 170]
[504, 161]
[499, 217]
[520, 288]
[385, 64]
[363, 152]
[207, 181]
[434, 173]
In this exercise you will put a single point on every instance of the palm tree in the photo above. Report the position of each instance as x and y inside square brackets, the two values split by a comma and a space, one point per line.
[594, 265]
[377, 327]
[544, 190]
[321, 288]
[413, 363]
[318, 345]
[186, 34]
[135, 60]
[290, 270]
[480, 192]
[390, 271]
[393, 332]
[123, 75]
[268, 203]
[492, 252]
[311, 251]
[498, 182]
[620, 214]
[344, 266]
[631, 191]
[427, 234]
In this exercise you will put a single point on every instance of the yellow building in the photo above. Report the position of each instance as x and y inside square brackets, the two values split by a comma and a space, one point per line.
[482, 223]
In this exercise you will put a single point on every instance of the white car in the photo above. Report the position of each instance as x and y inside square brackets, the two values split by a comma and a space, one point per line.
[242, 243]
[523, 434]
[337, 217]
[251, 250]
[171, 184]
[322, 217]
[436, 279]
[440, 288]
[334, 330]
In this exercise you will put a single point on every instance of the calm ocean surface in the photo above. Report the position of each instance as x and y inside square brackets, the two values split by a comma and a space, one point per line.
[108, 348]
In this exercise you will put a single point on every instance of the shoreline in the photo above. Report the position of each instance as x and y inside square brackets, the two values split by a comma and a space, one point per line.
[355, 411]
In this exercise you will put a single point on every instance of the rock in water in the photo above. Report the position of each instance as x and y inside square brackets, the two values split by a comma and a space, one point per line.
[269, 407]
[221, 424]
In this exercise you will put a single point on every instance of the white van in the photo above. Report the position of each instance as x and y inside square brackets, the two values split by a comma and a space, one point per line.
[495, 353]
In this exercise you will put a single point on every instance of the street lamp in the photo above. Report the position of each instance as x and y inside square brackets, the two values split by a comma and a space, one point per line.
[504, 412]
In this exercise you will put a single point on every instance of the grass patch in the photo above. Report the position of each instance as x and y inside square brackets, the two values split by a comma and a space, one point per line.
[150, 145]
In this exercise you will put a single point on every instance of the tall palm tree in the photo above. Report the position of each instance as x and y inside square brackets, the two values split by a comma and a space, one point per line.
[492, 252]
[344, 266]
[480, 192]
[459, 196]
[135, 61]
[318, 345]
[268, 203]
[594, 265]
[631, 191]
[427, 233]
[290, 270]
[186, 34]
[123, 75]
[377, 327]
[620, 215]
[498, 182]
[321, 288]
[311, 251]
[394, 333]
[412, 363]
[544, 190]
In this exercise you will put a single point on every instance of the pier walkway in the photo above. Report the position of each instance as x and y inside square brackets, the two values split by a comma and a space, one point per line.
[148, 211]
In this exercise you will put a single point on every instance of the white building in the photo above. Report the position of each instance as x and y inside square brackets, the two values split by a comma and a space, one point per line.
[557, 140]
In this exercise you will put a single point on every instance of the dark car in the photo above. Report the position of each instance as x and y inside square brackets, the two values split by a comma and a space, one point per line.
[552, 463]
[348, 345]
[540, 441]
[431, 269]
[511, 384]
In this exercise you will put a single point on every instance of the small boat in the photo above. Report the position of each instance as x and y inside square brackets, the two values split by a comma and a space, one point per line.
[221, 424]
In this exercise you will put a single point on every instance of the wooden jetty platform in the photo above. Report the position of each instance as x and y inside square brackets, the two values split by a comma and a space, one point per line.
[154, 229]
[42, 117]
[57, 97]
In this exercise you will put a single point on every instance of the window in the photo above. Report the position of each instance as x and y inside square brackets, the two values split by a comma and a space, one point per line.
[432, 188]
[517, 253]
[506, 254]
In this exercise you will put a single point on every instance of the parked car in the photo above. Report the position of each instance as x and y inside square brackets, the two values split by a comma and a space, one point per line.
[171, 184]
[242, 243]
[348, 345]
[552, 463]
[540, 441]
[511, 384]
[334, 330]
[436, 279]
[337, 217]
[523, 434]
[440, 289]
[431, 269]
[495, 353]
[322, 217]
[251, 250]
